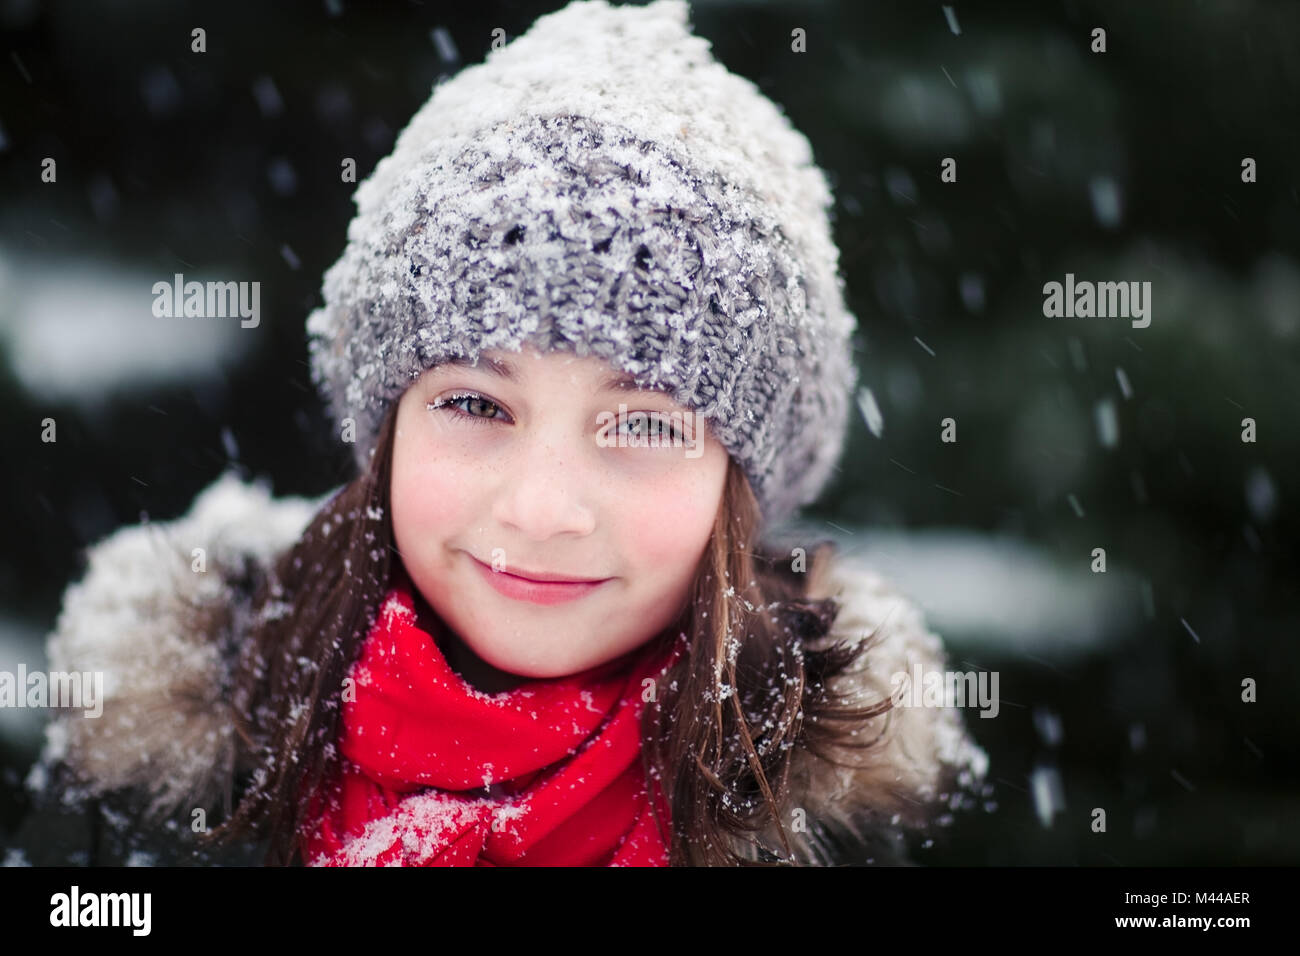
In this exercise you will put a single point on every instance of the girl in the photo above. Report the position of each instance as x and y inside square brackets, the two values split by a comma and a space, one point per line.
[589, 345]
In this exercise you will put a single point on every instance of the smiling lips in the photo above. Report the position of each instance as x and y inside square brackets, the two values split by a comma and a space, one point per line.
[543, 589]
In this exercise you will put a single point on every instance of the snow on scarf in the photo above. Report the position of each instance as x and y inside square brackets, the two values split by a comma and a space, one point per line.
[436, 773]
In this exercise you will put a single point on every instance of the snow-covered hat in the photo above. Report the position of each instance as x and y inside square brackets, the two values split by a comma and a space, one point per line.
[603, 185]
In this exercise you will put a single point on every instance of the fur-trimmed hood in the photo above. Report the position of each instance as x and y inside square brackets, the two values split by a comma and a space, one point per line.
[162, 607]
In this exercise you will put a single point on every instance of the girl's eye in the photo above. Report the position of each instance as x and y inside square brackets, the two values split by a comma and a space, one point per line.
[469, 407]
[654, 429]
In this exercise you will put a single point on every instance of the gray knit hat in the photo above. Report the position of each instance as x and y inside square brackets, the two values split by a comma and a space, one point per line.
[604, 186]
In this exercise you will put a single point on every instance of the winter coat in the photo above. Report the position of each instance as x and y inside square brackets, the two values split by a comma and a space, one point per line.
[165, 741]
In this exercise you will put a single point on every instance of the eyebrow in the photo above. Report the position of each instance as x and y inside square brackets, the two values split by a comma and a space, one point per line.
[501, 368]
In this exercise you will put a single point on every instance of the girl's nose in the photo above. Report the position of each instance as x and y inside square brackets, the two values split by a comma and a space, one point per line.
[546, 491]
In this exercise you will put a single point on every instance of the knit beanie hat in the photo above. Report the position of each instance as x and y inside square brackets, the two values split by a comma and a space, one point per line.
[603, 185]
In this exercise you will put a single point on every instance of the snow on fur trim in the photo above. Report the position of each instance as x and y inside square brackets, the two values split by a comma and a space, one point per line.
[162, 632]
[928, 755]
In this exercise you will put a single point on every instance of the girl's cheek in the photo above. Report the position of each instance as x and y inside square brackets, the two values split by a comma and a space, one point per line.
[429, 489]
[423, 499]
[673, 512]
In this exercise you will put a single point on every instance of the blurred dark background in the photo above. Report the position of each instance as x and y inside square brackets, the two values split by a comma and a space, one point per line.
[1119, 690]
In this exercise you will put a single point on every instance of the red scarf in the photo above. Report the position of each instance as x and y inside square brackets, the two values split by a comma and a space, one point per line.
[420, 748]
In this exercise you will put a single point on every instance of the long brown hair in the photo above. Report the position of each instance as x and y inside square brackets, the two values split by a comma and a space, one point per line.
[719, 738]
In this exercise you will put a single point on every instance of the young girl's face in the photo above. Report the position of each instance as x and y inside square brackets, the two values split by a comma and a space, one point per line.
[522, 464]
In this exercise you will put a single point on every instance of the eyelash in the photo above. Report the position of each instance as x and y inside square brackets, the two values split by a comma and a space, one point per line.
[448, 402]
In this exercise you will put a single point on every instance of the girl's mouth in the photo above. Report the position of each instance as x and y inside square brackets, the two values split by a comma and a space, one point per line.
[519, 588]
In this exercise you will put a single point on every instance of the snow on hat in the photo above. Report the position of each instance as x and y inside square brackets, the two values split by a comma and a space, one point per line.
[603, 185]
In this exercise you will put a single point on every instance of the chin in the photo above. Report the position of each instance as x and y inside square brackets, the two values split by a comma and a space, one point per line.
[511, 658]
[540, 673]
[528, 666]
